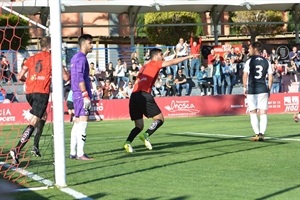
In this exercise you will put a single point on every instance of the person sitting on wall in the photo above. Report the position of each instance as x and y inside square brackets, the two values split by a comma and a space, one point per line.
[203, 84]
[170, 85]
[181, 83]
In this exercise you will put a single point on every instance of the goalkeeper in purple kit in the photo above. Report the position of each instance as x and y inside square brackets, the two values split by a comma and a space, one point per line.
[81, 87]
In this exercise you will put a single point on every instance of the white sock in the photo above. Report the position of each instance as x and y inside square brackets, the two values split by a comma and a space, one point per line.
[254, 122]
[81, 137]
[73, 141]
[263, 123]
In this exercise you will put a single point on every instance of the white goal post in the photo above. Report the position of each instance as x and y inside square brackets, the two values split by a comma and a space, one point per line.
[57, 83]
[57, 94]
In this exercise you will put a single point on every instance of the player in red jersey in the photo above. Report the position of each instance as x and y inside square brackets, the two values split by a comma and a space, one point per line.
[39, 71]
[142, 102]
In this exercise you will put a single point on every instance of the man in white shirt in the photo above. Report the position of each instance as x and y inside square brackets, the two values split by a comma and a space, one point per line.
[182, 51]
[121, 70]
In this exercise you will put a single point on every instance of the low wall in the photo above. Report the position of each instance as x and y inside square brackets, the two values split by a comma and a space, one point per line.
[185, 106]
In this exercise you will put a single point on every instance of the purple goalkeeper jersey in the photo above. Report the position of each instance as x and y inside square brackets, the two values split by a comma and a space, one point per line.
[80, 73]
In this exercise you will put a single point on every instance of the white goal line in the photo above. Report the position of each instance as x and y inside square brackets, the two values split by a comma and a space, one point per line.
[48, 184]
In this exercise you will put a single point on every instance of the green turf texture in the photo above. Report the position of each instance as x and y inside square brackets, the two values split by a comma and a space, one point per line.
[183, 164]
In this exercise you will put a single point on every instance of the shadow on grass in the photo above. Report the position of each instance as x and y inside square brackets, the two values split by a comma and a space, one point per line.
[279, 192]
[175, 198]
[210, 139]
[28, 170]
[97, 196]
[180, 198]
[31, 195]
[166, 146]
[289, 136]
[161, 149]
[8, 191]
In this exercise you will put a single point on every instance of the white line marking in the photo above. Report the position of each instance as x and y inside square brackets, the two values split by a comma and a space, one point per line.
[75, 194]
[46, 182]
[31, 189]
[35, 177]
[236, 136]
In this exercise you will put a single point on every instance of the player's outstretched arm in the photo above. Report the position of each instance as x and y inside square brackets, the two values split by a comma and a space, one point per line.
[178, 60]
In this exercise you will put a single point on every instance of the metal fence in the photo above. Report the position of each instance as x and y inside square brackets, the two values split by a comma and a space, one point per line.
[101, 56]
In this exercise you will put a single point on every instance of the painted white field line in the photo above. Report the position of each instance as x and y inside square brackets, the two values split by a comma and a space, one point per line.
[46, 182]
[74, 193]
[236, 136]
[31, 189]
[31, 175]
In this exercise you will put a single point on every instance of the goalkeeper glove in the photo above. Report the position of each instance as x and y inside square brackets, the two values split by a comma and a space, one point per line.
[86, 101]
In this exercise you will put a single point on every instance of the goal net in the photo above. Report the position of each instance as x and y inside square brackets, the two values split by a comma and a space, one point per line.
[17, 42]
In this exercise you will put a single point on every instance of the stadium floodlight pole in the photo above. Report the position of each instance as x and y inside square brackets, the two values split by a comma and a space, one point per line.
[57, 94]
[24, 17]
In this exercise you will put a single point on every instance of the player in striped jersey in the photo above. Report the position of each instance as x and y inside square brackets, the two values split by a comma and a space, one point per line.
[257, 91]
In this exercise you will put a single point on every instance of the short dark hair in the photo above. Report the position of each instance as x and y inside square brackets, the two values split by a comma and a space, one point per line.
[257, 45]
[45, 42]
[84, 37]
[154, 52]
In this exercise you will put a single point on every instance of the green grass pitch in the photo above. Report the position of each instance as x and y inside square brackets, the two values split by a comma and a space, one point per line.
[192, 158]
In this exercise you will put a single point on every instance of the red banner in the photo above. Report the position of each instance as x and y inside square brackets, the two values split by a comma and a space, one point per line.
[222, 49]
[170, 106]
[196, 106]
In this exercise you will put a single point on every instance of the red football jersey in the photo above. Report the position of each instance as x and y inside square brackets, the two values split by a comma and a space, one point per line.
[147, 76]
[39, 73]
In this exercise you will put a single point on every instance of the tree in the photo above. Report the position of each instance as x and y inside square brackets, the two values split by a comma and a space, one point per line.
[169, 35]
[258, 16]
[13, 38]
[293, 18]
[141, 29]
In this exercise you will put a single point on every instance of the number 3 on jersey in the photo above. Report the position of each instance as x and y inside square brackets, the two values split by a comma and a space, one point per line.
[258, 71]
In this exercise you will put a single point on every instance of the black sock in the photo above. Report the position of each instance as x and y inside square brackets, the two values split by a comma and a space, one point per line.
[25, 137]
[39, 131]
[71, 117]
[134, 132]
[154, 126]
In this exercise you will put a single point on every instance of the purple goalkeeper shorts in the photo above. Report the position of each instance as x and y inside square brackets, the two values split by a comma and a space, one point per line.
[78, 108]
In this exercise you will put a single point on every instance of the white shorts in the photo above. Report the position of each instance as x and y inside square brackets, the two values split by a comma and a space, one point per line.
[257, 101]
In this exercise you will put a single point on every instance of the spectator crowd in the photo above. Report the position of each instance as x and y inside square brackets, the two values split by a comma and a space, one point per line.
[217, 77]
